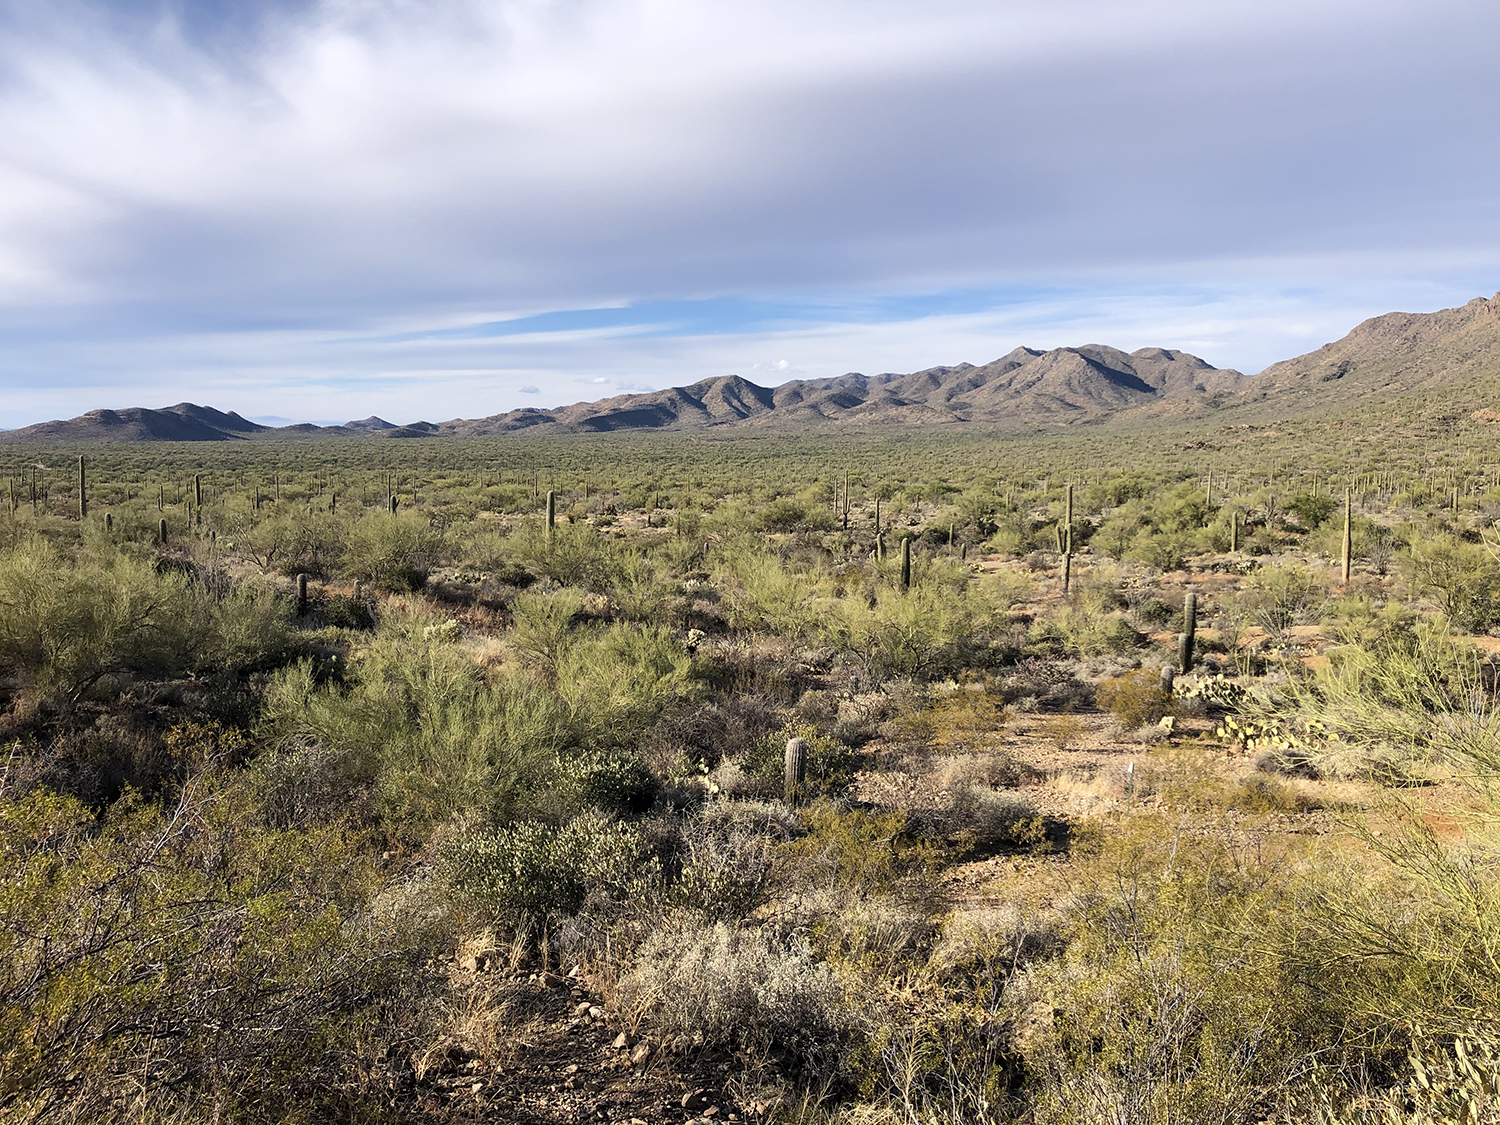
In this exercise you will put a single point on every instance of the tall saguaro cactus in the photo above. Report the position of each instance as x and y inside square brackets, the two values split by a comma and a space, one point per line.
[1348, 551]
[906, 563]
[1187, 637]
[1067, 545]
[796, 768]
[83, 490]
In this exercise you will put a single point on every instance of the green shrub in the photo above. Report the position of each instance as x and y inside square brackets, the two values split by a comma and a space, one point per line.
[346, 612]
[417, 735]
[737, 986]
[1312, 509]
[1464, 578]
[1135, 699]
[227, 961]
[531, 870]
[394, 552]
[71, 623]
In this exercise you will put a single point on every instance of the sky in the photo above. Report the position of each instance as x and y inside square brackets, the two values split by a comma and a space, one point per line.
[324, 209]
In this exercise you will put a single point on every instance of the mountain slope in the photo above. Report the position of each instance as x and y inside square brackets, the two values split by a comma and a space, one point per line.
[1025, 387]
[1451, 354]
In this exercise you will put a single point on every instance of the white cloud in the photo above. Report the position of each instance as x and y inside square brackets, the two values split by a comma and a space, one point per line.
[244, 205]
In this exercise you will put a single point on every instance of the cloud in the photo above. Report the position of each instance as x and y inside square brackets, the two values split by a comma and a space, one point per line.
[287, 197]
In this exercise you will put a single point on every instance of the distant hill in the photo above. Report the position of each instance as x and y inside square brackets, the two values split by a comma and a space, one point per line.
[1025, 387]
[1452, 355]
[1443, 361]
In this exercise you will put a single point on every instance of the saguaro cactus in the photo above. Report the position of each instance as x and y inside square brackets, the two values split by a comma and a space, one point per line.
[1234, 531]
[197, 491]
[906, 563]
[1349, 533]
[301, 595]
[161, 530]
[393, 503]
[1189, 632]
[796, 768]
[551, 513]
[83, 490]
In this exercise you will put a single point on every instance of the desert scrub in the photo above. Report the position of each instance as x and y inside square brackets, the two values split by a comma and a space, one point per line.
[528, 871]
[619, 678]
[728, 849]
[737, 986]
[69, 623]
[1174, 999]
[965, 716]
[856, 849]
[1135, 699]
[227, 960]
[394, 552]
[1284, 595]
[416, 734]
[989, 817]
[830, 765]
[764, 595]
[938, 627]
[1461, 577]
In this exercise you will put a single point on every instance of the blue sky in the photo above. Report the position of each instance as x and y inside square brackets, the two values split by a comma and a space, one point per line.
[324, 210]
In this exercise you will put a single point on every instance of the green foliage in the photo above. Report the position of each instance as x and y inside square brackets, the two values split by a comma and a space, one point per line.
[1284, 595]
[73, 622]
[1312, 509]
[532, 870]
[394, 552]
[1171, 1002]
[1462, 577]
[188, 944]
[416, 737]
[1135, 699]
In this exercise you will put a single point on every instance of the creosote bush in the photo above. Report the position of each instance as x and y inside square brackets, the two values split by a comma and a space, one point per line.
[1135, 699]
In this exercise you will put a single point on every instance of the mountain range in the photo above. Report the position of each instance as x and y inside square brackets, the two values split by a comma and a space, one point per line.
[1398, 355]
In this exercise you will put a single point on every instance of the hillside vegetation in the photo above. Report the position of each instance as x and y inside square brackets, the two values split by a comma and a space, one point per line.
[401, 782]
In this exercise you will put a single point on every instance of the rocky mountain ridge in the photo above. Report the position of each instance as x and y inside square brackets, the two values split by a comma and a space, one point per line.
[1025, 386]
[1452, 353]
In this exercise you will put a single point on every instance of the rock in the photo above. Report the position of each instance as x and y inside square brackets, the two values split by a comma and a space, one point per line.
[572, 1068]
[694, 1100]
[582, 1009]
[621, 1042]
[596, 1013]
[552, 980]
[641, 1053]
